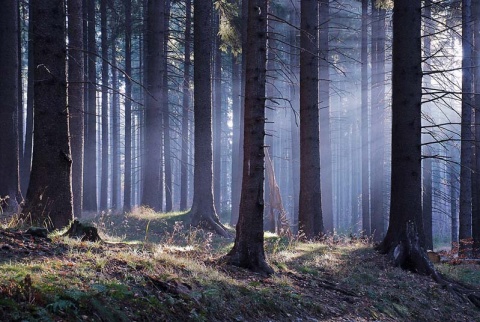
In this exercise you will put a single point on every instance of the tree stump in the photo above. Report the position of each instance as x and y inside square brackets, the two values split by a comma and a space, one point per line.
[83, 231]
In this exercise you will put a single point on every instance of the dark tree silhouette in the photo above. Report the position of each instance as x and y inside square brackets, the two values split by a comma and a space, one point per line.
[310, 206]
[127, 191]
[406, 190]
[365, 141]
[155, 36]
[203, 212]
[49, 195]
[75, 99]
[9, 65]
[248, 249]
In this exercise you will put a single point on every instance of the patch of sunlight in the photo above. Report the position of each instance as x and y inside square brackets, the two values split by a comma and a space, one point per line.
[145, 213]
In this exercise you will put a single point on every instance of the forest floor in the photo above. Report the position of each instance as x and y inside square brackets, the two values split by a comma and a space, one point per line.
[154, 267]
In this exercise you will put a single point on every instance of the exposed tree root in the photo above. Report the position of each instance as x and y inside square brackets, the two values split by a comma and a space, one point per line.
[409, 255]
[210, 223]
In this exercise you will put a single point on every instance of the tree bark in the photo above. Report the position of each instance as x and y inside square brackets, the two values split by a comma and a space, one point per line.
[467, 146]
[476, 186]
[153, 188]
[10, 195]
[75, 99]
[310, 205]
[406, 204]
[49, 195]
[203, 212]
[248, 249]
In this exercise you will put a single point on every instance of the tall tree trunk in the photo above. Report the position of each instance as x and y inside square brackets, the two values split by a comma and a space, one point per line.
[127, 188]
[20, 122]
[75, 99]
[248, 249]
[476, 186]
[427, 202]
[236, 114]
[237, 185]
[203, 212]
[466, 152]
[377, 121]
[27, 157]
[366, 224]
[152, 192]
[166, 119]
[115, 130]
[185, 109]
[9, 139]
[310, 205]
[217, 117]
[90, 159]
[406, 191]
[324, 105]
[49, 195]
[105, 174]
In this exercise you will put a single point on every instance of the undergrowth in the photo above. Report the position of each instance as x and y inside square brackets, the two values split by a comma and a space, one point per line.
[156, 267]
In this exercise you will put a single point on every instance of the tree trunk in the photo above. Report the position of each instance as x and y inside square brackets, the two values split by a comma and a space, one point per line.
[10, 195]
[427, 202]
[324, 106]
[466, 152]
[75, 99]
[127, 188]
[185, 109]
[152, 191]
[27, 157]
[310, 212]
[248, 249]
[377, 121]
[217, 108]
[366, 223]
[115, 131]
[236, 161]
[166, 118]
[203, 212]
[476, 187]
[49, 195]
[406, 191]
[90, 159]
[105, 173]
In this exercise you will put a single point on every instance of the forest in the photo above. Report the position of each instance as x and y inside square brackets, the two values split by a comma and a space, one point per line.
[240, 160]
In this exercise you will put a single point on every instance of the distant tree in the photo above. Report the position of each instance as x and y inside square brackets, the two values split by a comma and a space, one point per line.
[127, 188]
[115, 103]
[49, 195]
[406, 190]
[166, 116]
[377, 121]
[310, 206]
[365, 140]
[90, 159]
[427, 202]
[9, 137]
[324, 112]
[185, 108]
[203, 212]
[104, 115]
[75, 99]
[248, 249]
[217, 112]
[155, 37]
[467, 146]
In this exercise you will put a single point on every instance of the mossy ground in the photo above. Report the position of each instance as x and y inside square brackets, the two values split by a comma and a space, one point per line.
[154, 267]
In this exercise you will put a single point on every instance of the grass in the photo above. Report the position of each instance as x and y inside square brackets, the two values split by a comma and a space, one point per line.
[154, 267]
